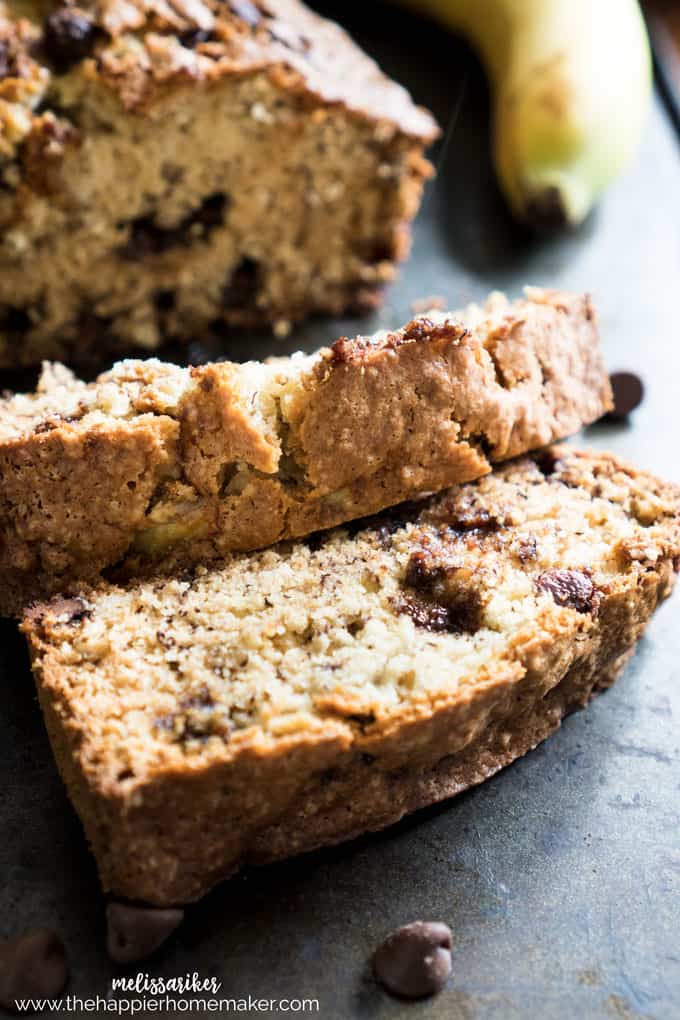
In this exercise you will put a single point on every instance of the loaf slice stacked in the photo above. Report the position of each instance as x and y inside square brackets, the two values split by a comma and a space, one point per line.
[156, 468]
[299, 696]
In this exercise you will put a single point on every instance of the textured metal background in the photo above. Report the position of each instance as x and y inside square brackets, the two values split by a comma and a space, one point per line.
[561, 876]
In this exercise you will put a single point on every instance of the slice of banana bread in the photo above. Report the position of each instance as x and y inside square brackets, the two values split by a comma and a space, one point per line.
[302, 695]
[155, 467]
[168, 167]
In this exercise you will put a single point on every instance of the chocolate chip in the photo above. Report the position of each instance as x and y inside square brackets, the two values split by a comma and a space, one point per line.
[194, 38]
[210, 213]
[546, 461]
[316, 540]
[243, 285]
[135, 932]
[146, 237]
[68, 37]
[165, 300]
[628, 392]
[460, 616]
[32, 967]
[415, 961]
[246, 11]
[422, 573]
[475, 519]
[444, 600]
[571, 588]
[16, 321]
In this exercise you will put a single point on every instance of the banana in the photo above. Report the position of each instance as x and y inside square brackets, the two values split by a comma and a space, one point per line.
[571, 81]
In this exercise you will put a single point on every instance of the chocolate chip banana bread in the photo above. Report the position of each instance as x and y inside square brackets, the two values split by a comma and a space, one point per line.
[302, 695]
[155, 467]
[169, 167]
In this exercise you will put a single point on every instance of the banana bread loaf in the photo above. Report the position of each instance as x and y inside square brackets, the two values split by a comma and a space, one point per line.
[302, 695]
[165, 167]
[155, 467]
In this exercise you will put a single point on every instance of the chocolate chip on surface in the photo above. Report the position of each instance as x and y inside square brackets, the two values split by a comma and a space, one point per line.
[628, 391]
[68, 37]
[135, 932]
[32, 967]
[414, 961]
[571, 588]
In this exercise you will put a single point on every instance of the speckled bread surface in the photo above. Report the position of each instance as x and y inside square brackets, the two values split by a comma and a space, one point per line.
[170, 167]
[302, 695]
[154, 468]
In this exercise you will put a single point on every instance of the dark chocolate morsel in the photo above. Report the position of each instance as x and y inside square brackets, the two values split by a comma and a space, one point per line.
[194, 38]
[571, 588]
[135, 932]
[68, 37]
[242, 287]
[32, 967]
[628, 392]
[146, 237]
[414, 961]
[546, 461]
[15, 321]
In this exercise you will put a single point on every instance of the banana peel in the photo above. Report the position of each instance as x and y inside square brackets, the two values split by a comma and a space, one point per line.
[571, 81]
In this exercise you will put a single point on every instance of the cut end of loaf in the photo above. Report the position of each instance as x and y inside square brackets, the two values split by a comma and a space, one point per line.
[169, 172]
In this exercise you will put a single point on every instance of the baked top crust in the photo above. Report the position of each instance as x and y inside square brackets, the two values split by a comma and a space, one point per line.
[398, 643]
[154, 466]
[139, 50]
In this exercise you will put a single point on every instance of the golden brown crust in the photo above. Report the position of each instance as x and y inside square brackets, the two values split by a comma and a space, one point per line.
[298, 697]
[139, 49]
[240, 456]
[175, 166]
[358, 800]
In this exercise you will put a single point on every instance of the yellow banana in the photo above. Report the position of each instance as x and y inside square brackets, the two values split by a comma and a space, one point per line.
[571, 83]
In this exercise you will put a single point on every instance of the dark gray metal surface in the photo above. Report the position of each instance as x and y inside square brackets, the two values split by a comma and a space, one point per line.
[561, 876]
